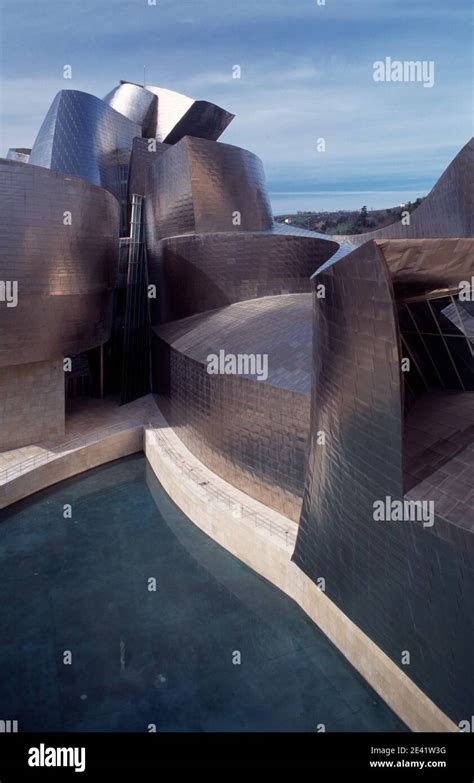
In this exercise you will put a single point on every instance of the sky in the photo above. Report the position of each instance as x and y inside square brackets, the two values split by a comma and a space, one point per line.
[306, 74]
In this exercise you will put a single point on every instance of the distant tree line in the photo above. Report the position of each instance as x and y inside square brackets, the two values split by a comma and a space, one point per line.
[347, 221]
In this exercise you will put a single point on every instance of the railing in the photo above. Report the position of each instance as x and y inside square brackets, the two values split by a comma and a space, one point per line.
[236, 509]
[94, 436]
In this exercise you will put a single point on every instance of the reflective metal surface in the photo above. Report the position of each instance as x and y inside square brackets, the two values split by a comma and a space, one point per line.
[205, 271]
[214, 254]
[228, 280]
[166, 115]
[199, 186]
[252, 432]
[420, 267]
[143, 154]
[83, 137]
[447, 211]
[409, 587]
[209, 222]
[139, 105]
[65, 273]
[179, 116]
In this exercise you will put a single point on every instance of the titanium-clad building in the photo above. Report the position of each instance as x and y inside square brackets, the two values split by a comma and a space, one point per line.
[63, 216]
[225, 277]
[393, 392]
[59, 248]
[325, 377]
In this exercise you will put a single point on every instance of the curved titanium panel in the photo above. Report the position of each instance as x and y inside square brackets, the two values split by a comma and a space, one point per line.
[65, 273]
[207, 271]
[179, 116]
[198, 186]
[203, 120]
[215, 255]
[422, 266]
[140, 163]
[83, 137]
[447, 211]
[405, 586]
[136, 103]
[251, 432]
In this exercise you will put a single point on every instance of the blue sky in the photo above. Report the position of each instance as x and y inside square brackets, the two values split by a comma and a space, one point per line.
[306, 74]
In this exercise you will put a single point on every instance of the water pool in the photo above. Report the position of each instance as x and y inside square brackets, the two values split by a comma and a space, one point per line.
[89, 645]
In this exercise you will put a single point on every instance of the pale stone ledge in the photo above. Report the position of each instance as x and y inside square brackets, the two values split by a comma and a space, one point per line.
[97, 431]
[264, 540]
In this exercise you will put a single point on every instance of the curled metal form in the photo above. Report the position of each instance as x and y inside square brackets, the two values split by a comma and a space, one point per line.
[228, 280]
[144, 151]
[166, 115]
[223, 268]
[59, 243]
[198, 186]
[313, 413]
[84, 137]
[249, 428]
[447, 211]
[136, 103]
[179, 116]
[407, 585]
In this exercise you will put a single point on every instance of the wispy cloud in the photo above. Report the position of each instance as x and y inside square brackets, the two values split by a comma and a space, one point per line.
[306, 74]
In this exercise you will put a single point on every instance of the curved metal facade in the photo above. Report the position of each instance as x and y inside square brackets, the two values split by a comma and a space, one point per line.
[223, 268]
[166, 115]
[447, 211]
[252, 432]
[419, 267]
[65, 273]
[409, 587]
[180, 116]
[83, 137]
[226, 277]
[209, 222]
[142, 157]
[231, 283]
[139, 105]
[197, 186]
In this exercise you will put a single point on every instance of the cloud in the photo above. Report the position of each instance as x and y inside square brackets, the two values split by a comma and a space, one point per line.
[306, 74]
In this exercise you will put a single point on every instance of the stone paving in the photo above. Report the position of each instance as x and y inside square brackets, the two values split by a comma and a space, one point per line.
[87, 420]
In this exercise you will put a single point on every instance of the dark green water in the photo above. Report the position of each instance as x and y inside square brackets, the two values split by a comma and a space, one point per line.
[163, 657]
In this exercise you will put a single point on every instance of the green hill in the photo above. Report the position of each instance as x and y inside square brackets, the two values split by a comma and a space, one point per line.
[347, 221]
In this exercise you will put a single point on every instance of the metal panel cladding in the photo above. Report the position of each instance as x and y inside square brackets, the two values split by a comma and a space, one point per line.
[144, 152]
[224, 268]
[59, 241]
[81, 136]
[408, 588]
[199, 186]
[251, 431]
[136, 103]
[179, 116]
[447, 211]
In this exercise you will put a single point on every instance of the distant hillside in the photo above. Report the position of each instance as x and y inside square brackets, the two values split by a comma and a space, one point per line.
[346, 221]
